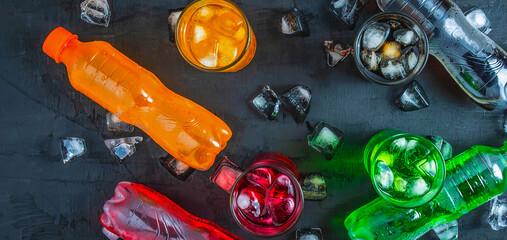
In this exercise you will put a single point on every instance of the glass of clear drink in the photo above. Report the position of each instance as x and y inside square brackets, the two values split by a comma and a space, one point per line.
[215, 36]
[266, 199]
[407, 170]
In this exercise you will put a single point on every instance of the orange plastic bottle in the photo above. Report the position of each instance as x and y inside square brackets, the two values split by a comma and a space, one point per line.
[184, 129]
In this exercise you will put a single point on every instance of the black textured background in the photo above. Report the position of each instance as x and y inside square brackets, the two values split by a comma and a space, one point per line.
[41, 198]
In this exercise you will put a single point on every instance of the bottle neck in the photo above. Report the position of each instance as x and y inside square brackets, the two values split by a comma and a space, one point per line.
[68, 52]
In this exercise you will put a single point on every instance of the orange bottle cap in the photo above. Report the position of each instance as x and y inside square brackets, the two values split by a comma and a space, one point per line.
[56, 41]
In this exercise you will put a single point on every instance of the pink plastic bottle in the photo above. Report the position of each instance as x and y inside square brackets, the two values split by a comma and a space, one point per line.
[137, 212]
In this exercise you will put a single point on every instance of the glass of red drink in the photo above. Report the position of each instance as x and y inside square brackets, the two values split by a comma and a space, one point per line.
[266, 199]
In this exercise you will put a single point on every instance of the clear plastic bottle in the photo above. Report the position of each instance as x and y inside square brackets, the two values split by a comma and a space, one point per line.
[184, 129]
[473, 178]
[476, 62]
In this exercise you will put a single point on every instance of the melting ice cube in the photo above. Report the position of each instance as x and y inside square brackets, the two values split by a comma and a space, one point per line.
[294, 23]
[114, 124]
[443, 146]
[405, 37]
[96, 12]
[375, 35]
[347, 11]
[172, 19]
[178, 169]
[267, 103]
[314, 187]
[309, 234]
[326, 139]
[335, 52]
[412, 98]
[409, 58]
[392, 69]
[371, 59]
[122, 148]
[297, 101]
[72, 147]
[497, 218]
[478, 19]
[447, 231]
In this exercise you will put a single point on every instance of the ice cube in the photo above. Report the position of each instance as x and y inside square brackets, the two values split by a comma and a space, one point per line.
[72, 147]
[443, 146]
[309, 234]
[415, 151]
[405, 37]
[417, 187]
[267, 103]
[392, 69]
[294, 23]
[122, 148]
[497, 218]
[314, 187]
[398, 146]
[326, 139]
[282, 186]
[199, 34]
[409, 58]
[96, 12]
[109, 235]
[504, 122]
[375, 35]
[251, 202]
[282, 208]
[172, 19]
[347, 11]
[210, 60]
[225, 174]
[384, 177]
[370, 59]
[114, 124]
[400, 184]
[297, 101]
[412, 98]
[335, 52]
[206, 13]
[262, 177]
[393, 24]
[447, 231]
[478, 19]
[178, 169]
[390, 50]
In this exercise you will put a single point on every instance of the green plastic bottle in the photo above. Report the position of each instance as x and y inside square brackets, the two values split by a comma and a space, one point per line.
[472, 178]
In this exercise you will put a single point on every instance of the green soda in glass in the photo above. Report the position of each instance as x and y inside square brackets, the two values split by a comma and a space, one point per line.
[407, 170]
[473, 178]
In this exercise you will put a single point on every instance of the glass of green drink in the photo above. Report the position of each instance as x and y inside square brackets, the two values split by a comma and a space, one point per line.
[407, 170]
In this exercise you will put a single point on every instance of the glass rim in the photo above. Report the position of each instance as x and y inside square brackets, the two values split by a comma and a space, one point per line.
[295, 216]
[416, 202]
[369, 75]
[203, 68]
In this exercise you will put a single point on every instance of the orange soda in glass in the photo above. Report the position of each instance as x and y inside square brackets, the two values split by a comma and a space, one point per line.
[215, 36]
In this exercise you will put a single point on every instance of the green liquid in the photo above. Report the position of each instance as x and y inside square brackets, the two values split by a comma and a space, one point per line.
[473, 178]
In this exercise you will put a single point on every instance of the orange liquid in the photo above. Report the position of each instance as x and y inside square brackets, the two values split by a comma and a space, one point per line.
[184, 129]
[214, 35]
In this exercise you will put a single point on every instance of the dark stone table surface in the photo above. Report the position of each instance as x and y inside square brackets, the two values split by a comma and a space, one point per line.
[41, 198]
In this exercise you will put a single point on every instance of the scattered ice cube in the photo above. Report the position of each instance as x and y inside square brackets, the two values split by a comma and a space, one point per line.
[391, 50]
[392, 69]
[72, 147]
[314, 187]
[326, 139]
[417, 187]
[412, 98]
[409, 58]
[178, 169]
[347, 11]
[384, 175]
[478, 19]
[225, 174]
[335, 52]
[297, 101]
[309, 234]
[375, 35]
[122, 148]
[443, 146]
[267, 103]
[114, 124]
[109, 235]
[172, 19]
[447, 231]
[393, 24]
[96, 12]
[294, 23]
[371, 59]
[405, 37]
[497, 218]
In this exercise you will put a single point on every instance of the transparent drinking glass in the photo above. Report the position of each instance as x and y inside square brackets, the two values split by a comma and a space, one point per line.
[407, 170]
[266, 199]
[215, 36]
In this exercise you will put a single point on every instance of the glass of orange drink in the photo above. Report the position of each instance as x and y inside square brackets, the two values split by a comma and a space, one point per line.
[215, 36]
